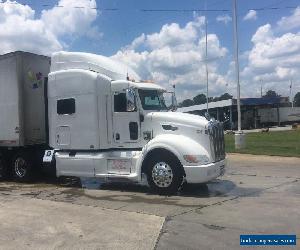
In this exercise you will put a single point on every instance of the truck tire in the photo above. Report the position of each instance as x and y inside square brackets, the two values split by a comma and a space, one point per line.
[3, 169]
[164, 174]
[22, 167]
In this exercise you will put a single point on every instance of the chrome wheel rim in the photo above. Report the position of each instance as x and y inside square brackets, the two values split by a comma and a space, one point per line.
[20, 167]
[162, 174]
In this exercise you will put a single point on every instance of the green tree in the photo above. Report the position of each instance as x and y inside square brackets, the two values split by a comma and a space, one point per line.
[271, 93]
[186, 103]
[225, 96]
[215, 99]
[210, 99]
[199, 99]
[297, 100]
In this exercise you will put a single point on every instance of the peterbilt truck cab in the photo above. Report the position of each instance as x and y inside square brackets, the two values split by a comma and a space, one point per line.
[105, 122]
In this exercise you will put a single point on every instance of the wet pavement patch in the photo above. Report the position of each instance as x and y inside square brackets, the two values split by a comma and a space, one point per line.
[127, 198]
[214, 227]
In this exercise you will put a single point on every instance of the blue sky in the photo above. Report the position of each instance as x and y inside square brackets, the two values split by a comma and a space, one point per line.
[160, 54]
[122, 26]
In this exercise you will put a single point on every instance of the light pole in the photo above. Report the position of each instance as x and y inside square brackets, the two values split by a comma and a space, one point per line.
[239, 135]
[206, 67]
[291, 91]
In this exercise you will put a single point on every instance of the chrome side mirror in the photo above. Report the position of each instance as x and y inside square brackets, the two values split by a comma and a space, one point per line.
[130, 100]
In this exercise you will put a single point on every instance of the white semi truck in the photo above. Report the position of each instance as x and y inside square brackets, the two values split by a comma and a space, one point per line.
[104, 122]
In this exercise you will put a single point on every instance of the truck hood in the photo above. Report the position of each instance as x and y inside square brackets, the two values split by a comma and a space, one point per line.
[192, 134]
[178, 118]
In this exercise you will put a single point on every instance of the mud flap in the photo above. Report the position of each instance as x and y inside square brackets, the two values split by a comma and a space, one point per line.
[49, 163]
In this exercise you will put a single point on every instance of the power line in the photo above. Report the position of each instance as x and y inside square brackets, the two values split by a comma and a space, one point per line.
[275, 8]
[118, 9]
[154, 10]
[184, 10]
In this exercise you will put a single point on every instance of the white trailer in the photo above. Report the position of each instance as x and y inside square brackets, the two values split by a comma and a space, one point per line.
[280, 115]
[23, 123]
[106, 123]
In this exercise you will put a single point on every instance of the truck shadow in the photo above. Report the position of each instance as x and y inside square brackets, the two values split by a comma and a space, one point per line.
[192, 196]
[126, 191]
[216, 188]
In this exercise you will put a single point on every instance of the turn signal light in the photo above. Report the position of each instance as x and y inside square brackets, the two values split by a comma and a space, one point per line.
[191, 158]
[202, 159]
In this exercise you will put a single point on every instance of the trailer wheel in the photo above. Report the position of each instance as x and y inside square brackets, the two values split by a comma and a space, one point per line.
[22, 167]
[164, 174]
[3, 169]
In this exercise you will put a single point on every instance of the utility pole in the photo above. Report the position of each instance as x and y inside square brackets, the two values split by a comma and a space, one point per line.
[206, 67]
[237, 67]
[239, 136]
[291, 92]
[261, 88]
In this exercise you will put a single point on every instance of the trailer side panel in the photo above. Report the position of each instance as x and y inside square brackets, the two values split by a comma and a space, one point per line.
[22, 101]
[10, 95]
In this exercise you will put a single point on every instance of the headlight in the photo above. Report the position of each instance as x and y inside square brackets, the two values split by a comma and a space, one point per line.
[202, 159]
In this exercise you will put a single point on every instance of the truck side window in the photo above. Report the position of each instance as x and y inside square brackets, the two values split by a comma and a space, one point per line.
[66, 106]
[120, 102]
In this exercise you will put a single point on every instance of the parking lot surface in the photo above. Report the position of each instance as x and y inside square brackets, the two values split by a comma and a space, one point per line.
[257, 195]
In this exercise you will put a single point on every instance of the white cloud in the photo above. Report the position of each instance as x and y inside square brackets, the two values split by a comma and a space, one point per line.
[274, 59]
[176, 55]
[137, 42]
[269, 51]
[94, 33]
[172, 34]
[20, 29]
[69, 19]
[251, 15]
[290, 22]
[224, 19]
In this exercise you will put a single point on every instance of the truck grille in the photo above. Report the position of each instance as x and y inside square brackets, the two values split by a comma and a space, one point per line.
[217, 142]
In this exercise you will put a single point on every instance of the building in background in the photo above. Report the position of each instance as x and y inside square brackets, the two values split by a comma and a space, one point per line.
[256, 112]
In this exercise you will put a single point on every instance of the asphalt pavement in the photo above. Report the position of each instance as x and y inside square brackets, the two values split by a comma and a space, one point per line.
[257, 195]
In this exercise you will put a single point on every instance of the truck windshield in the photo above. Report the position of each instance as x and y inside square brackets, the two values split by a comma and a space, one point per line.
[152, 99]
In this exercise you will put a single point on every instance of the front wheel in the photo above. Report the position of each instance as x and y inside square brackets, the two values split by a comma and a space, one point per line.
[165, 175]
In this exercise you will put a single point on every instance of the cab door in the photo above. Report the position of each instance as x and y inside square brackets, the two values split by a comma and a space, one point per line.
[126, 125]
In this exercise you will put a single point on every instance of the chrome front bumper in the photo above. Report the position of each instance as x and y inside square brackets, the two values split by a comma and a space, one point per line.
[205, 173]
